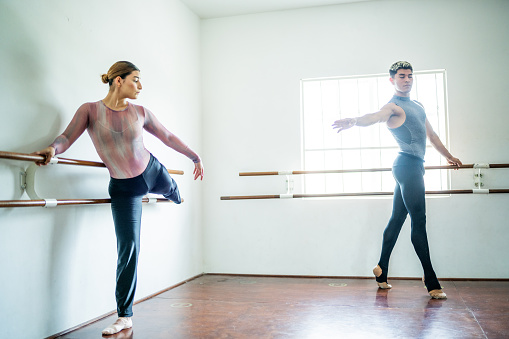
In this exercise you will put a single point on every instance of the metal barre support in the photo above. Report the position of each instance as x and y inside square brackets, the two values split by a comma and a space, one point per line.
[465, 166]
[359, 194]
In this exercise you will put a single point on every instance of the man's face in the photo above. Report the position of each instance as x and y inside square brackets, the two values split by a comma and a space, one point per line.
[403, 81]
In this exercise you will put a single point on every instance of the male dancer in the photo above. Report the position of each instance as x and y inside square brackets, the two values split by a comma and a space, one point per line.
[407, 122]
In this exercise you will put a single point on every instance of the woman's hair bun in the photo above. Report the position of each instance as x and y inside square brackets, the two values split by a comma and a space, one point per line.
[119, 69]
[104, 78]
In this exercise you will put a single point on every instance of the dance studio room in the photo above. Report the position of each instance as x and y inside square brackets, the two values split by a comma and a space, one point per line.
[254, 169]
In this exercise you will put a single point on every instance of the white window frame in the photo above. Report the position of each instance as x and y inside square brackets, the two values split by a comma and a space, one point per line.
[366, 182]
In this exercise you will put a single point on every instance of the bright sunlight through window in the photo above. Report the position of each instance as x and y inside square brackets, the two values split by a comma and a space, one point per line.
[325, 100]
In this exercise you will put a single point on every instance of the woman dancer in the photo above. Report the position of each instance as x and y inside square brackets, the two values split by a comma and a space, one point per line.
[116, 128]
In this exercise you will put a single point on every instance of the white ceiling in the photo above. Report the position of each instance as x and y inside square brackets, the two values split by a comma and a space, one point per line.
[207, 9]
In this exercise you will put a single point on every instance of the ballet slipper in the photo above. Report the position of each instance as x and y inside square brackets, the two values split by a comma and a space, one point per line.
[119, 325]
[437, 294]
[384, 285]
[377, 271]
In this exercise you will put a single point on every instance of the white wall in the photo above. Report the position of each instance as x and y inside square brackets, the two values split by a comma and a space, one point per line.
[58, 265]
[252, 67]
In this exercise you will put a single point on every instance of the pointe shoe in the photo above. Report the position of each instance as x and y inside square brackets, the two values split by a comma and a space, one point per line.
[437, 294]
[121, 324]
[377, 271]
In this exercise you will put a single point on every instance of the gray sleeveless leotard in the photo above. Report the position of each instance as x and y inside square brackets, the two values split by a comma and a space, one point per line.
[411, 136]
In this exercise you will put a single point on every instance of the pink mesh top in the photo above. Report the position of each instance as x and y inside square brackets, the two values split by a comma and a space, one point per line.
[118, 137]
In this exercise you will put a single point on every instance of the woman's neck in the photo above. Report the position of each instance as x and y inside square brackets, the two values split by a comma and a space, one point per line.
[114, 102]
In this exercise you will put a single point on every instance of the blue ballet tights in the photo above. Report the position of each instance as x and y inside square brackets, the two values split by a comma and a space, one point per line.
[409, 198]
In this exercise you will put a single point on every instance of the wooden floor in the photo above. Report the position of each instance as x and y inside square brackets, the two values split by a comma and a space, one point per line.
[218, 306]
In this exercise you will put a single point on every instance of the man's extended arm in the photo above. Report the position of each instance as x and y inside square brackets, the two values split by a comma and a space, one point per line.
[383, 115]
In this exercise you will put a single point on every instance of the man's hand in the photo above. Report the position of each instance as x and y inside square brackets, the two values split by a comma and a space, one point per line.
[454, 161]
[344, 124]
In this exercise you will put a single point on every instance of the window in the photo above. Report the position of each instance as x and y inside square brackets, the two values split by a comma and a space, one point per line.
[325, 100]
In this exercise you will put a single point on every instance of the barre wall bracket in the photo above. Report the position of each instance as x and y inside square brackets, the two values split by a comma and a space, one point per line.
[478, 175]
[30, 185]
[30, 182]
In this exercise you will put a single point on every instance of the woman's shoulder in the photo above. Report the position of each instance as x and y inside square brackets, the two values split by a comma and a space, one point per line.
[90, 105]
[141, 110]
[86, 107]
[137, 107]
[89, 110]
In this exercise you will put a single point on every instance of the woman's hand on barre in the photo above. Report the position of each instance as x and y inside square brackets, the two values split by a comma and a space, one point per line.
[48, 153]
[198, 170]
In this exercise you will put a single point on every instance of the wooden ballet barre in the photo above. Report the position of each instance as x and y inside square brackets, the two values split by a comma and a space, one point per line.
[65, 202]
[359, 194]
[38, 158]
[245, 174]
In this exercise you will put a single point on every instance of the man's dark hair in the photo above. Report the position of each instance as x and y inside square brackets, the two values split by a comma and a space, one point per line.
[399, 65]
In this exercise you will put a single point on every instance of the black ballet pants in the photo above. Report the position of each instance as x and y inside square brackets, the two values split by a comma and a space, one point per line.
[126, 205]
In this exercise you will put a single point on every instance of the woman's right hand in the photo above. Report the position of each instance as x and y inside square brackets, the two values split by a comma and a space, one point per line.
[198, 171]
[48, 153]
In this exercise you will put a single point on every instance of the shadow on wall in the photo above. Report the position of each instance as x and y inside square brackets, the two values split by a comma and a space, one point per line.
[31, 122]
[25, 96]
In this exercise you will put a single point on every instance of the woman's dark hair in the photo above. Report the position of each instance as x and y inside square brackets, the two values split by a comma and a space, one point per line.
[119, 69]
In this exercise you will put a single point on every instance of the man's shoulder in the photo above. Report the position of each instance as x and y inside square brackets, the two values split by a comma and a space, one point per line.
[394, 108]
[418, 103]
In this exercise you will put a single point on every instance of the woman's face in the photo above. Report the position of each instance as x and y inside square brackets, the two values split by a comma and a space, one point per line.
[130, 87]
